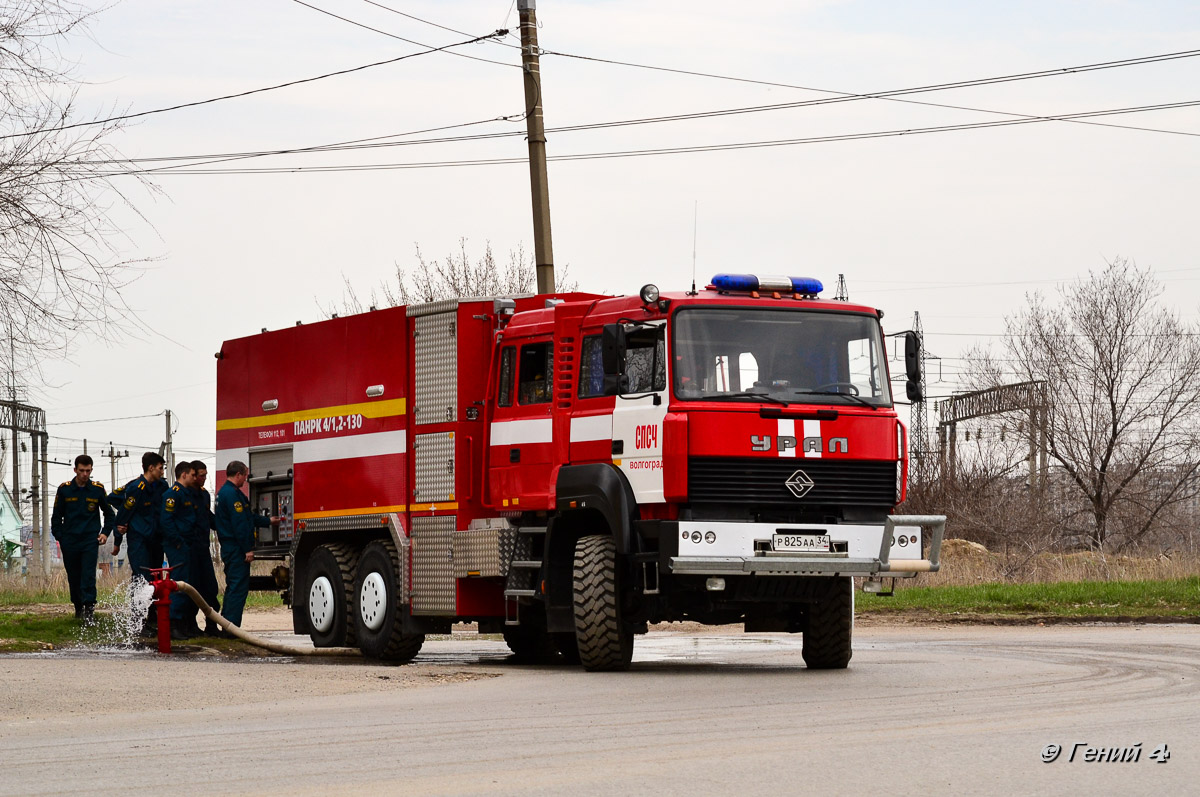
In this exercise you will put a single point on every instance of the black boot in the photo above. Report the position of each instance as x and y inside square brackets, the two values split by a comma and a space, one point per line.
[78, 611]
[88, 612]
[179, 631]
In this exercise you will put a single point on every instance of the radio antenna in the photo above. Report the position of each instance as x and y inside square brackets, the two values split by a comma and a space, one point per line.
[695, 219]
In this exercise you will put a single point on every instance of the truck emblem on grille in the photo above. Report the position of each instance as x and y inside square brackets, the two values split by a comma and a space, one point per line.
[799, 483]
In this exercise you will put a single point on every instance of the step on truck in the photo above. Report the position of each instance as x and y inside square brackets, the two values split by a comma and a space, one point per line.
[566, 469]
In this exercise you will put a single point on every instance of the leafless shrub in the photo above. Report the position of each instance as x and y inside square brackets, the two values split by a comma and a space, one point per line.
[454, 276]
[1122, 415]
[59, 269]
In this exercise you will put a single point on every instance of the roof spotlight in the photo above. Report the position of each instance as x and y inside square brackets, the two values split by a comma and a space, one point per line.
[649, 294]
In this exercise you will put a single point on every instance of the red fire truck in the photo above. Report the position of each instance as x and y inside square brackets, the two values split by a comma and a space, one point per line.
[566, 469]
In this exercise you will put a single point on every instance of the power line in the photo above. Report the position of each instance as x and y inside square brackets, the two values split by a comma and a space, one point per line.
[896, 96]
[845, 95]
[353, 144]
[681, 150]
[250, 92]
[401, 38]
[1148, 59]
[106, 420]
[437, 25]
[382, 141]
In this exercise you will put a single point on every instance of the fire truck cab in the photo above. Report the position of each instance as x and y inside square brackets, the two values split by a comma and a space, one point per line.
[567, 469]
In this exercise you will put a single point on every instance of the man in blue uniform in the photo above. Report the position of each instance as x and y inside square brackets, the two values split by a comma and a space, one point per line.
[176, 522]
[200, 566]
[75, 523]
[235, 531]
[137, 520]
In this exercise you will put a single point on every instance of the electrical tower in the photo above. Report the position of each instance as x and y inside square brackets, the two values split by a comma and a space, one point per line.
[843, 293]
[918, 432]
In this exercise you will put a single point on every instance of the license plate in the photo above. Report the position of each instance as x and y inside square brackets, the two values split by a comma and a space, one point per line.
[808, 543]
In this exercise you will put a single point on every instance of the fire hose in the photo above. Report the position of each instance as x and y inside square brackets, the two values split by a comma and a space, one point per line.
[274, 647]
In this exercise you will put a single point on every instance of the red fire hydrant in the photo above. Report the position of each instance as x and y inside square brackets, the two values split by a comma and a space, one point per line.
[163, 587]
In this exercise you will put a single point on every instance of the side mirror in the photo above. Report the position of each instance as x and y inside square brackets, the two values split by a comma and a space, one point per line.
[912, 356]
[913, 389]
[612, 350]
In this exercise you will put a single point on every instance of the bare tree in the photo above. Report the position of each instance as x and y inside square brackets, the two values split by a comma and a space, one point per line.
[59, 272]
[456, 275]
[1123, 394]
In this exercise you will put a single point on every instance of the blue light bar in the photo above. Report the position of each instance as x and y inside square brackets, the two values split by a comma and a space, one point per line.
[806, 286]
[735, 282]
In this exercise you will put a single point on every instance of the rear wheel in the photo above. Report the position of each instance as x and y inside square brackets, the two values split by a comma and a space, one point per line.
[828, 628]
[604, 642]
[330, 594]
[377, 617]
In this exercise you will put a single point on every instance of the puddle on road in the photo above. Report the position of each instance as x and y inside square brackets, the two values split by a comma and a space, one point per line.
[674, 647]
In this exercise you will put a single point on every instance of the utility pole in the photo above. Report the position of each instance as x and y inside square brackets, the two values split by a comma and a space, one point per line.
[113, 455]
[168, 449]
[38, 532]
[46, 507]
[12, 397]
[543, 250]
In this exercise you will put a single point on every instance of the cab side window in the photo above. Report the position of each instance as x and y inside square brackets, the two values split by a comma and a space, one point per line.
[534, 373]
[646, 360]
[591, 368]
[505, 390]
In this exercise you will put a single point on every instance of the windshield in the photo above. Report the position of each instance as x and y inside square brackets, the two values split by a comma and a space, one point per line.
[794, 356]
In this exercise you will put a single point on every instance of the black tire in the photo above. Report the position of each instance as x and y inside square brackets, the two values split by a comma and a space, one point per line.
[828, 628]
[604, 642]
[328, 622]
[378, 606]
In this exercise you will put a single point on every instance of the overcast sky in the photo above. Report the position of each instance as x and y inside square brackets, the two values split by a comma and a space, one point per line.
[955, 225]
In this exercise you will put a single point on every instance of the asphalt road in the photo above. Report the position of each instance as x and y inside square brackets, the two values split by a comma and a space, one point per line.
[948, 710]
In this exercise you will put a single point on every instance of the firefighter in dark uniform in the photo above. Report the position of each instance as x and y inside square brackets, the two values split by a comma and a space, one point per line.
[137, 517]
[137, 520]
[235, 531]
[200, 566]
[76, 524]
[177, 523]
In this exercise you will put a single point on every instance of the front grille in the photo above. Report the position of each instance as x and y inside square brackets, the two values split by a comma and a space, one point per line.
[756, 482]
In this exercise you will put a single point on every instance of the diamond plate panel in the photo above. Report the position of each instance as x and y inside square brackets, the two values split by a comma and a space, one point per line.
[520, 578]
[483, 552]
[433, 458]
[433, 582]
[435, 394]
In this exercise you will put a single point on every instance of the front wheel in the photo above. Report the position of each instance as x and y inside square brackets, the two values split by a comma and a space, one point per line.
[829, 626]
[377, 619]
[330, 594]
[604, 641]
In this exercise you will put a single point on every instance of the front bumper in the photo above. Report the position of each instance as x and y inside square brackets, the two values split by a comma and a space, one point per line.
[869, 550]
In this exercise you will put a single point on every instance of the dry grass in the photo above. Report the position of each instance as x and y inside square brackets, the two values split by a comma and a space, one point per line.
[19, 590]
[963, 563]
[970, 563]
